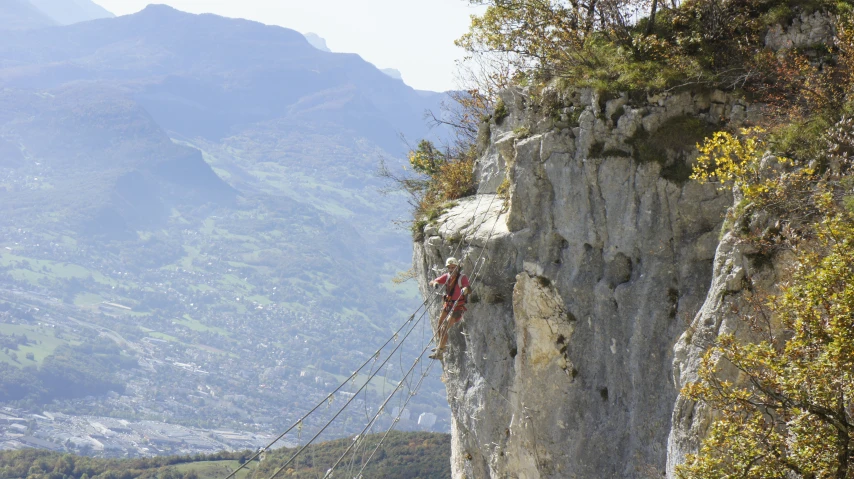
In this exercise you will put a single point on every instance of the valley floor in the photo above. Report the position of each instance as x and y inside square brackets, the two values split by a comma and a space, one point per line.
[108, 437]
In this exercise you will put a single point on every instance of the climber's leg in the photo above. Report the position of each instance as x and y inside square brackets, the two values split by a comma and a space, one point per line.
[454, 318]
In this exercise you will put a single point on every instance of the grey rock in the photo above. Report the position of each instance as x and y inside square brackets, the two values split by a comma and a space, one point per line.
[585, 280]
[719, 314]
[804, 31]
[614, 106]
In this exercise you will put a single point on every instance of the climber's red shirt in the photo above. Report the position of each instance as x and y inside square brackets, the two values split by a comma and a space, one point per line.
[462, 282]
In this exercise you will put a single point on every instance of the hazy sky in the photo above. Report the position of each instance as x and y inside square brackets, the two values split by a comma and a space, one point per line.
[414, 36]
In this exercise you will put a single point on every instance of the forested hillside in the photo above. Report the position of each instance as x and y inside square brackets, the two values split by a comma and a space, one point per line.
[402, 456]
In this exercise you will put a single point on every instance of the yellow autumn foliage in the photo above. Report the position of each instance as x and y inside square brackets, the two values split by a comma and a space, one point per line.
[783, 404]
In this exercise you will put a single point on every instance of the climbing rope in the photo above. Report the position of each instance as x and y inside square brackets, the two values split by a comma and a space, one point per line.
[379, 412]
[352, 398]
[476, 271]
[352, 377]
[478, 267]
[402, 403]
[425, 304]
[394, 422]
[475, 274]
[524, 416]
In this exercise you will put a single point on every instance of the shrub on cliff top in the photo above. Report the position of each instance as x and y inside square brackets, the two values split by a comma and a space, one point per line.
[627, 45]
[447, 176]
[439, 174]
[435, 178]
[784, 402]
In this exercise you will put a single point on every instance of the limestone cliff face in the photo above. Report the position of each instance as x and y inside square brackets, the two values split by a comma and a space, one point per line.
[737, 271]
[590, 274]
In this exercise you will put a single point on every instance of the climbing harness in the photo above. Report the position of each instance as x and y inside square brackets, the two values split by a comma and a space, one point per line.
[478, 266]
[451, 289]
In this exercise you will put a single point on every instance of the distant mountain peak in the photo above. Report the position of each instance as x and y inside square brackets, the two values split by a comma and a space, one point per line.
[316, 41]
[159, 7]
[392, 72]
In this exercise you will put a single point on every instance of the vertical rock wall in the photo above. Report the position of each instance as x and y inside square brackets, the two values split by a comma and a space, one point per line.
[738, 270]
[591, 271]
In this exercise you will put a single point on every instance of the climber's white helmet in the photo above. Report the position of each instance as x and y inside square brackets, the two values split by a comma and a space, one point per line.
[452, 261]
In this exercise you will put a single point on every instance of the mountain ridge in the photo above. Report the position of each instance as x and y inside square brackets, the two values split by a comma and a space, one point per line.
[66, 12]
[22, 15]
[122, 154]
[169, 59]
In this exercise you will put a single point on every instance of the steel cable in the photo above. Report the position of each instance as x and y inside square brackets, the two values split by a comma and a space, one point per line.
[352, 398]
[425, 304]
[397, 418]
[340, 386]
[379, 411]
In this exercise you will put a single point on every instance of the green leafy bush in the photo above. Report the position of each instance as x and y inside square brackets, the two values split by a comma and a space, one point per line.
[782, 403]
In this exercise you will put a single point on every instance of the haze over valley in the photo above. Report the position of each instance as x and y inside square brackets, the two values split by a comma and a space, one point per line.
[193, 240]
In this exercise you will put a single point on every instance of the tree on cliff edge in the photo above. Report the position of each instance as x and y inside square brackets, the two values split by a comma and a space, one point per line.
[631, 45]
[784, 405]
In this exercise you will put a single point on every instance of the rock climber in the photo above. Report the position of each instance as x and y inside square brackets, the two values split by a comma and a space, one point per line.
[454, 304]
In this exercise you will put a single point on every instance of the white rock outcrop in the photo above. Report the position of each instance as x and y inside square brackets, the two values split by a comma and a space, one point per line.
[600, 280]
[583, 282]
